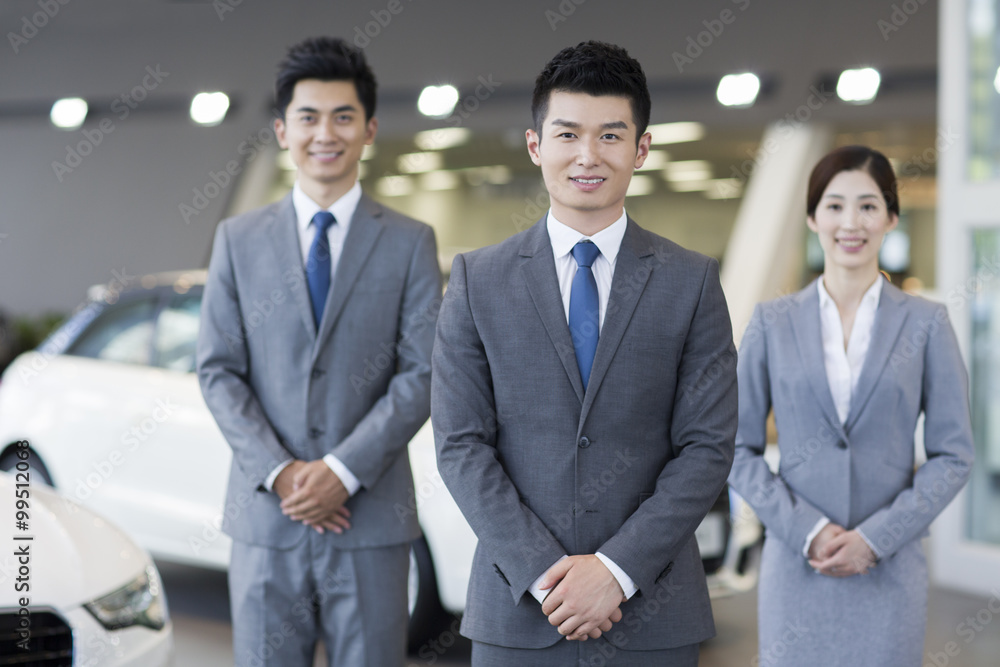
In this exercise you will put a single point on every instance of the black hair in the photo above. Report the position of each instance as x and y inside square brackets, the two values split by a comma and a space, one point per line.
[851, 158]
[326, 59]
[595, 68]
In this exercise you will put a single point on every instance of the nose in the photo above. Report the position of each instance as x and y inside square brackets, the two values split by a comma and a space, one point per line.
[589, 154]
[324, 130]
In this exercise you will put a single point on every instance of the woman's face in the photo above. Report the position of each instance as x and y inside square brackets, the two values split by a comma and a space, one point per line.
[851, 221]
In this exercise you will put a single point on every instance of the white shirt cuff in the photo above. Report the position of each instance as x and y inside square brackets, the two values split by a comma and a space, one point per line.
[347, 478]
[269, 482]
[625, 581]
[820, 525]
[537, 592]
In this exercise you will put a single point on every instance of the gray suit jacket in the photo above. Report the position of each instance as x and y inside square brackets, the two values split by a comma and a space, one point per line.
[357, 387]
[859, 474]
[628, 468]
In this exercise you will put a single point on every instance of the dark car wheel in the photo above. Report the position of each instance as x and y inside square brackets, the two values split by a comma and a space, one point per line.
[37, 472]
[427, 616]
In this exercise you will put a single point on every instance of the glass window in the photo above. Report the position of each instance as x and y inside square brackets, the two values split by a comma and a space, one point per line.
[984, 92]
[177, 333]
[984, 497]
[122, 332]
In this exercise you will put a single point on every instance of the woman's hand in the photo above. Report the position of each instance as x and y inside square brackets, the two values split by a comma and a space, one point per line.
[845, 555]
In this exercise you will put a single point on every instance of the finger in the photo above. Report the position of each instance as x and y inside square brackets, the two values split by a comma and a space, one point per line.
[555, 573]
[572, 627]
[616, 616]
[605, 626]
[559, 616]
[595, 633]
[343, 511]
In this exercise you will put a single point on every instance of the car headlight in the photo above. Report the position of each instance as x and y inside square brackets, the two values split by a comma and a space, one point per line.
[139, 602]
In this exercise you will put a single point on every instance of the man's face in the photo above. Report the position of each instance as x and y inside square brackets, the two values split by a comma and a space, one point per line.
[587, 151]
[325, 132]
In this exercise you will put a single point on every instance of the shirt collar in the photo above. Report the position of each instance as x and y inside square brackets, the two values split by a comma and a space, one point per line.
[871, 295]
[608, 240]
[342, 209]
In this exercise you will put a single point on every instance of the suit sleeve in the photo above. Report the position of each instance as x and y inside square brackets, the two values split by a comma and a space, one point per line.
[384, 432]
[947, 441]
[224, 370]
[465, 431]
[787, 515]
[702, 430]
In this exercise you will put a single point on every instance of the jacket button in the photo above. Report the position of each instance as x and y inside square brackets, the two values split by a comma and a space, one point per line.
[315, 432]
[584, 442]
[317, 373]
[842, 444]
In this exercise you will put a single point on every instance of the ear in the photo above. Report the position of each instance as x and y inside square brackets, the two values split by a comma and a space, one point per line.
[279, 132]
[534, 146]
[371, 129]
[645, 141]
[893, 221]
[811, 224]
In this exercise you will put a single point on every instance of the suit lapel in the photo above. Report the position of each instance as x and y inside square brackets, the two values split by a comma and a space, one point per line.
[627, 285]
[539, 273]
[889, 319]
[806, 326]
[360, 240]
[284, 241]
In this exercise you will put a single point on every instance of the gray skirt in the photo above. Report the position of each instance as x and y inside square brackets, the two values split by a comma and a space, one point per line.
[875, 620]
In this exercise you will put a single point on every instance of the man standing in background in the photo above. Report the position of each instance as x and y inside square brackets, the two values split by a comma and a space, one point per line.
[330, 279]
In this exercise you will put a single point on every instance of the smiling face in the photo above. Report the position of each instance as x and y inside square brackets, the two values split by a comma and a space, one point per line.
[587, 150]
[851, 220]
[325, 131]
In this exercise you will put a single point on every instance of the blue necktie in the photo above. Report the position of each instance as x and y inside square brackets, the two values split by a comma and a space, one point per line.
[584, 308]
[318, 264]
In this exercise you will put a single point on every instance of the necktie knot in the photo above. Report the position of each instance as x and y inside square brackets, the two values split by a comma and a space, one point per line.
[323, 220]
[585, 252]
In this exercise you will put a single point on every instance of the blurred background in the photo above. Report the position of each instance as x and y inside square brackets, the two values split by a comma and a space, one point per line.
[130, 128]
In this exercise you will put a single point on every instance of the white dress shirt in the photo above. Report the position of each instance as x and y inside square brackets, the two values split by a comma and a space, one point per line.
[608, 241]
[843, 367]
[342, 210]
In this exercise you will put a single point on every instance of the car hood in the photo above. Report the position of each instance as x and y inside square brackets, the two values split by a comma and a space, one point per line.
[74, 555]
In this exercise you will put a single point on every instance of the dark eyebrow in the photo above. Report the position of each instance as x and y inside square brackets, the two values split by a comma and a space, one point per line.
[867, 196]
[613, 125]
[344, 107]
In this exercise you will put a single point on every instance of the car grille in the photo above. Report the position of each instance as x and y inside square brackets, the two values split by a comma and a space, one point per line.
[51, 643]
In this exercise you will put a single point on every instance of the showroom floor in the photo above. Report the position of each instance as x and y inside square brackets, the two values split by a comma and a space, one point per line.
[961, 624]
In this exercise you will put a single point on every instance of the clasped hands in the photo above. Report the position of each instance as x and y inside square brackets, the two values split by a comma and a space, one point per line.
[312, 493]
[837, 552]
[584, 599]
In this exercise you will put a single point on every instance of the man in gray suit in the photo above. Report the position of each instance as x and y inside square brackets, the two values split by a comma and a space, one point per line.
[314, 357]
[584, 400]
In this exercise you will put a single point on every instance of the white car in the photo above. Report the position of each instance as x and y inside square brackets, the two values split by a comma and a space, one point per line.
[75, 591]
[111, 407]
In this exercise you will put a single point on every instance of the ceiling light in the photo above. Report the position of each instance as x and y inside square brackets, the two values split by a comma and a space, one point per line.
[675, 133]
[437, 101]
[724, 188]
[69, 113]
[394, 186]
[209, 108]
[417, 163]
[439, 180]
[858, 86]
[688, 170]
[441, 138]
[640, 185]
[738, 90]
[655, 160]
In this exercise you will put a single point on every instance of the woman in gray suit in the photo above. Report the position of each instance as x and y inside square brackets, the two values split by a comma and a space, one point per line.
[848, 364]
